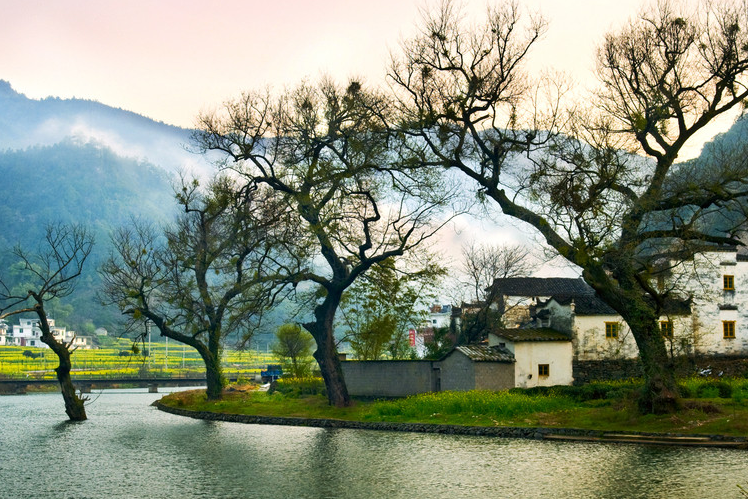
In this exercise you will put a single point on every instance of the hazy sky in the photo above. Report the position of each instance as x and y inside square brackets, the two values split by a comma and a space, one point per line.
[171, 59]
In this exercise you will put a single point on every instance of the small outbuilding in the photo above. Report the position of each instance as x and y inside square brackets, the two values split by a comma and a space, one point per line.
[542, 356]
[477, 367]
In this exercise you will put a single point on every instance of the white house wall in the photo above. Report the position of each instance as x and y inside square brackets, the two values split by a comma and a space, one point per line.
[530, 354]
[590, 342]
[712, 305]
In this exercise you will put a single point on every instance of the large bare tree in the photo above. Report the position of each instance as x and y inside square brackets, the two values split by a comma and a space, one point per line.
[483, 263]
[607, 195]
[50, 273]
[212, 273]
[329, 152]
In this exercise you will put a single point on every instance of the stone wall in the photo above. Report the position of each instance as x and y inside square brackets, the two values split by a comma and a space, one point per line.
[388, 378]
[586, 371]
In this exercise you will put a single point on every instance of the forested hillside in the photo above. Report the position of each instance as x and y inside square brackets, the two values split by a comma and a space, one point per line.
[86, 184]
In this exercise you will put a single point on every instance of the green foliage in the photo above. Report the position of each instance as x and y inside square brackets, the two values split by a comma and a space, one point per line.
[293, 347]
[297, 386]
[441, 344]
[708, 388]
[378, 309]
[506, 404]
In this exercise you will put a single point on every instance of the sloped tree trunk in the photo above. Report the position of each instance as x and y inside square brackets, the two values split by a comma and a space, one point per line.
[660, 392]
[74, 405]
[327, 353]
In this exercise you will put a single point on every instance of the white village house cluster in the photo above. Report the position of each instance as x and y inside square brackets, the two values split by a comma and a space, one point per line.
[556, 331]
[27, 334]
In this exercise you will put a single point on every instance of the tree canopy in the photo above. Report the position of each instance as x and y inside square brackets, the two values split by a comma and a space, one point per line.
[583, 183]
[330, 154]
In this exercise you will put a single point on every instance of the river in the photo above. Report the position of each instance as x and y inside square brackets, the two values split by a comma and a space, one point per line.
[128, 449]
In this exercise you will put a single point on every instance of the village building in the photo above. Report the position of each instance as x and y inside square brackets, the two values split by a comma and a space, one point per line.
[27, 334]
[3, 333]
[557, 331]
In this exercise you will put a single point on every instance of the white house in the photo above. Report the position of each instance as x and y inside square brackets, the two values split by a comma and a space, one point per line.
[708, 316]
[542, 356]
[26, 333]
[3, 333]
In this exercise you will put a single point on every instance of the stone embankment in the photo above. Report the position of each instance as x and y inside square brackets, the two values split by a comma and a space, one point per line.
[568, 434]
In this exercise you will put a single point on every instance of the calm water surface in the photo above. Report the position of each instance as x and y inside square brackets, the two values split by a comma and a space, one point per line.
[128, 449]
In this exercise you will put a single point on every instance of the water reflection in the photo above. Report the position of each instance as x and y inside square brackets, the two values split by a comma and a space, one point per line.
[127, 449]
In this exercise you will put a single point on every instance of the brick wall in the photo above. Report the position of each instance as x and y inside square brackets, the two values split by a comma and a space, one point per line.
[457, 372]
[586, 371]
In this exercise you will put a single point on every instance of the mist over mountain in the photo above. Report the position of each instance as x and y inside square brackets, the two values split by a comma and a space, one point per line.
[78, 161]
[28, 122]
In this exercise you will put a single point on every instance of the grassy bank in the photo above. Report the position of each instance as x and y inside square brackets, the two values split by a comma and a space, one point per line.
[711, 407]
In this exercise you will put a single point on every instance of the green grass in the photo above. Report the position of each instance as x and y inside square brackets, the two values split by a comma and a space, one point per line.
[611, 410]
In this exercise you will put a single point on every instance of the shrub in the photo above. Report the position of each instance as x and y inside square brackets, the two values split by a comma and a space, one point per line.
[295, 387]
[582, 393]
[704, 388]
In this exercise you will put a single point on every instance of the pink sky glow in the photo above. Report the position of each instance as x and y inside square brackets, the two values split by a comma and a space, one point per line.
[171, 59]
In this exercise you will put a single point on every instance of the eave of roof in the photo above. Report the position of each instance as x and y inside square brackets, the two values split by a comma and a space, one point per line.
[483, 353]
[531, 334]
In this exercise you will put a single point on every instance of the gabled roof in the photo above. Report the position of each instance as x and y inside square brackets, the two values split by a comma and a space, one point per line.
[531, 334]
[542, 286]
[484, 353]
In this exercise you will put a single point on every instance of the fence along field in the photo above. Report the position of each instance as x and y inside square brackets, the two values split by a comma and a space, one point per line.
[117, 360]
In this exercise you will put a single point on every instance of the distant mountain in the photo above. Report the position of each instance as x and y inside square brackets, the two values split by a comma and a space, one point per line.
[28, 122]
[71, 183]
[83, 162]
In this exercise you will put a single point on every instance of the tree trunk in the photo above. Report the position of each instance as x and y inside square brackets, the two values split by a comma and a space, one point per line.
[660, 393]
[327, 353]
[74, 405]
[213, 373]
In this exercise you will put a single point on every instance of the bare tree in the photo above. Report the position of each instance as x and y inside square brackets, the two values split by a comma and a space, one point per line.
[212, 273]
[664, 77]
[484, 263]
[329, 152]
[51, 273]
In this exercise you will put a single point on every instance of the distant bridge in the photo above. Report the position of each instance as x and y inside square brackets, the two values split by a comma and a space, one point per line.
[85, 385]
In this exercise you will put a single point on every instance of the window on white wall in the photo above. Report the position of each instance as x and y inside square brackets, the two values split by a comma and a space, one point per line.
[611, 330]
[728, 282]
[728, 330]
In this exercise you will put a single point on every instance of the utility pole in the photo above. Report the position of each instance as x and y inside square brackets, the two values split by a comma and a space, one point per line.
[148, 330]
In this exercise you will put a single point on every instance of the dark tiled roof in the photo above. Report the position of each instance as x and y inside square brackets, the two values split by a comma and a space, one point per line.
[542, 286]
[742, 254]
[483, 353]
[537, 334]
[586, 305]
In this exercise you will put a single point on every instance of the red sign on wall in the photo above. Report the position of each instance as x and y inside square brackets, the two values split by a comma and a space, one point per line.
[412, 337]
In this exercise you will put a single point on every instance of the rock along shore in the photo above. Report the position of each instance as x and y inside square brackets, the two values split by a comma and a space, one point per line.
[569, 434]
